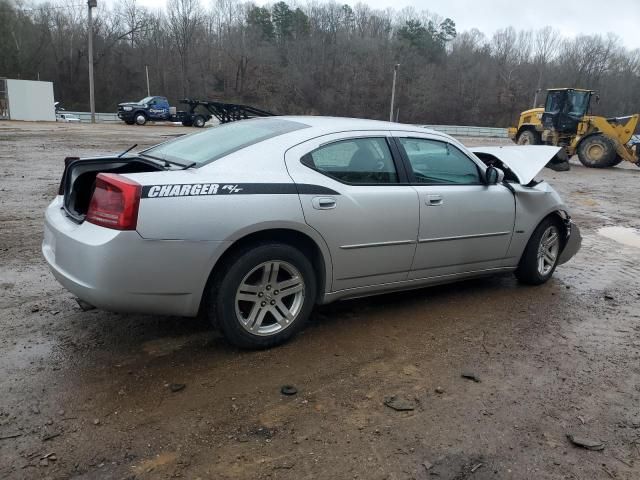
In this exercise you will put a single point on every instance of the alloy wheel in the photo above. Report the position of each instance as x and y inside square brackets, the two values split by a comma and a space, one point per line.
[270, 298]
[548, 250]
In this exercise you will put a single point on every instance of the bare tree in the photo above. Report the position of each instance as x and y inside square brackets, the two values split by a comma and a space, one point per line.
[320, 57]
[184, 17]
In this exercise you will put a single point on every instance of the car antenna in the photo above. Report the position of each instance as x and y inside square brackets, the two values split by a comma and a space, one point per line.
[128, 150]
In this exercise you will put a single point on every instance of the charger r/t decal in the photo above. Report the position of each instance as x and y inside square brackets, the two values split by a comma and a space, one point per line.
[204, 189]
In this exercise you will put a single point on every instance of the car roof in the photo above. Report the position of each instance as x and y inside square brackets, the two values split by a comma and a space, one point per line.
[340, 124]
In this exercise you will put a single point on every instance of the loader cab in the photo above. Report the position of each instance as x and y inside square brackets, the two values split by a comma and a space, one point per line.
[565, 108]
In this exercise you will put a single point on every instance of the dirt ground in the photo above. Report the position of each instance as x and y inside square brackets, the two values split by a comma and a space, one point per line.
[87, 394]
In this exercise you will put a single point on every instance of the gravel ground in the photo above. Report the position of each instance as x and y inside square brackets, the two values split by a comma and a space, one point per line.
[87, 394]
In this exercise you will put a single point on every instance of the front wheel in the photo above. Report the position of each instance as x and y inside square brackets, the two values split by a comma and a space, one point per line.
[598, 151]
[264, 295]
[140, 118]
[540, 257]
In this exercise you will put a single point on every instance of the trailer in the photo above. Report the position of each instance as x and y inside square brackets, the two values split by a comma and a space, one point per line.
[228, 112]
[198, 112]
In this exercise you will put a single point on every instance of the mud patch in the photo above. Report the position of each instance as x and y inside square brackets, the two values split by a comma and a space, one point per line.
[160, 460]
[166, 346]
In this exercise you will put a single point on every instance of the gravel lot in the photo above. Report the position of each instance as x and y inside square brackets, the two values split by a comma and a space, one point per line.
[87, 394]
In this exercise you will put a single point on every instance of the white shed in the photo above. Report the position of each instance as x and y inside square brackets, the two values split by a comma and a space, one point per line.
[26, 100]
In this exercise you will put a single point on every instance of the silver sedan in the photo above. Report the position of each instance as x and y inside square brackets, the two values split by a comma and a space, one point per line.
[253, 223]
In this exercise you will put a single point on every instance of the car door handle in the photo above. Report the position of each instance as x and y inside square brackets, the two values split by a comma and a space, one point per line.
[433, 200]
[323, 203]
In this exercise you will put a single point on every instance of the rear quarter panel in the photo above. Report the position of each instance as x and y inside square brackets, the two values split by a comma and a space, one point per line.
[229, 206]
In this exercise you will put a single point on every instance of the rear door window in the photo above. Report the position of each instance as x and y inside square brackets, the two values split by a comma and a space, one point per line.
[363, 161]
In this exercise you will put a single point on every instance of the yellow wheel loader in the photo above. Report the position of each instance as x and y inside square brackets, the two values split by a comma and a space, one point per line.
[599, 142]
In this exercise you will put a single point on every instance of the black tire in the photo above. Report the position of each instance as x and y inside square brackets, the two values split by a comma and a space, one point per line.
[223, 308]
[129, 122]
[140, 118]
[617, 160]
[528, 271]
[187, 123]
[529, 137]
[199, 121]
[597, 151]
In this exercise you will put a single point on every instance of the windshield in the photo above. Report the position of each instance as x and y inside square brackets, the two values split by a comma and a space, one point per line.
[214, 143]
[146, 100]
[578, 103]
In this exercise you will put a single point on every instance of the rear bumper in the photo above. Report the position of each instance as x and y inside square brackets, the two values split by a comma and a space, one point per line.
[122, 272]
[574, 241]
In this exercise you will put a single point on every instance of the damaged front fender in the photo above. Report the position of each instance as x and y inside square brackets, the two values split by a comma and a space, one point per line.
[572, 243]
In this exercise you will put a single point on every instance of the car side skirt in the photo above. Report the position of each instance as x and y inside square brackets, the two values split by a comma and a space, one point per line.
[412, 284]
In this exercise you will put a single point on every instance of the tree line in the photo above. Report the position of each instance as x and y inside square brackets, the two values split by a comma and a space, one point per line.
[321, 57]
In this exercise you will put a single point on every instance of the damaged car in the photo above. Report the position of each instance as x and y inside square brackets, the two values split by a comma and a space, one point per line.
[253, 223]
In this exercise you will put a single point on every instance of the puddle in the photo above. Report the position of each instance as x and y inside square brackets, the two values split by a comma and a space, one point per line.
[624, 235]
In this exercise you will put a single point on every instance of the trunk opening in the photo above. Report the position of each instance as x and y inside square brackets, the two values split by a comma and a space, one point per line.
[79, 180]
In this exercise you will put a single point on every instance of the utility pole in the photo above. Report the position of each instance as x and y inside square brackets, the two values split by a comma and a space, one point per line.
[91, 4]
[535, 98]
[393, 90]
[146, 69]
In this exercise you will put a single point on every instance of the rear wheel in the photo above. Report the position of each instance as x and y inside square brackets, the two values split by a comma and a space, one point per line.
[264, 296]
[597, 151]
[198, 121]
[540, 258]
[140, 118]
[529, 137]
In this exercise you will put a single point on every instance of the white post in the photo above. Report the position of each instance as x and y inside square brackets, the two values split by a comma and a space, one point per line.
[393, 90]
[146, 69]
[92, 101]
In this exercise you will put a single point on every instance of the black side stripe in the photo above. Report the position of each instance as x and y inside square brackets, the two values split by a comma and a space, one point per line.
[208, 189]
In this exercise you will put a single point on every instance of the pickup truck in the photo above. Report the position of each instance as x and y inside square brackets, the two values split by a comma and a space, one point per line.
[157, 109]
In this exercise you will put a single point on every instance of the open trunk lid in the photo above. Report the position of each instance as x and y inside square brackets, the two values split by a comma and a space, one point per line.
[525, 161]
[79, 179]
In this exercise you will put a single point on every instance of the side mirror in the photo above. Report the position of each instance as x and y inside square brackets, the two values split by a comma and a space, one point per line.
[493, 175]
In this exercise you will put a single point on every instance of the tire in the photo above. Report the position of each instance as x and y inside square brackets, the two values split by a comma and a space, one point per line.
[130, 122]
[533, 270]
[199, 121]
[140, 118]
[617, 160]
[529, 137]
[597, 151]
[239, 295]
[187, 123]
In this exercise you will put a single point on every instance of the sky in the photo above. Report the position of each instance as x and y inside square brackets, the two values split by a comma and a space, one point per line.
[570, 17]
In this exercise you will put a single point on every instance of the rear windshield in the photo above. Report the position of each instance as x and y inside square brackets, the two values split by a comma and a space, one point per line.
[216, 142]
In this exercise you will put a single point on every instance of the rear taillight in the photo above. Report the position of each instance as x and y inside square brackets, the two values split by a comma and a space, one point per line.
[115, 202]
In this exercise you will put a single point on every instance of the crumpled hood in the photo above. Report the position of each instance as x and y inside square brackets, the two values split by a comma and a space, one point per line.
[525, 161]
